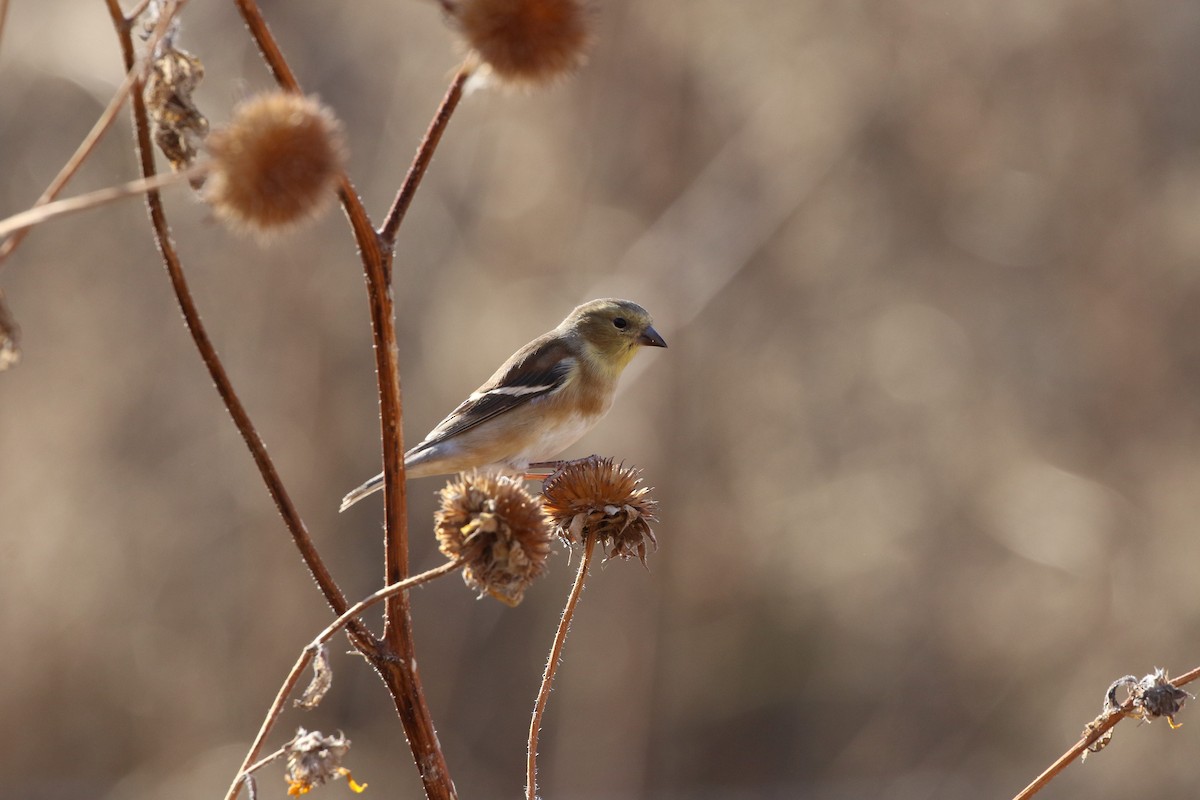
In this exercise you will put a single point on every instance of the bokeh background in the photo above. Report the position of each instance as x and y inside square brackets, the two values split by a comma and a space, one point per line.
[925, 439]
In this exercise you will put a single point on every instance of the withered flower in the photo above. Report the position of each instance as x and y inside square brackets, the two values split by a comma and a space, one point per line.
[314, 759]
[179, 126]
[276, 163]
[599, 496]
[498, 528]
[525, 42]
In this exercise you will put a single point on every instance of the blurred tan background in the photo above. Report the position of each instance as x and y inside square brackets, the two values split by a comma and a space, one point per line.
[925, 438]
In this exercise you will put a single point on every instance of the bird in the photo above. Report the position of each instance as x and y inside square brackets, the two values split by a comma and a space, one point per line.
[539, 402]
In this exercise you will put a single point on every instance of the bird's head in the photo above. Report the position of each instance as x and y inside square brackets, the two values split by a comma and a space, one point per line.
[614, 329]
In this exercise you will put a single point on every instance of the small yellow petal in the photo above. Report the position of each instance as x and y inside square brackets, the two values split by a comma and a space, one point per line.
[355, 786]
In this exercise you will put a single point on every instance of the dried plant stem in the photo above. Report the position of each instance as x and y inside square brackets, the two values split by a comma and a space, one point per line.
[1094, 734]
[3, 17]
[306, 657]
[208, 353]
[560, 639]
[73, 205]
[393, 655]
[381, 595]
[420, 163]
[133, 74]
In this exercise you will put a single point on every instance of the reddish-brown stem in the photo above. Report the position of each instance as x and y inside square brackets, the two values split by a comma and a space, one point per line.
[393, 654]
[306, 657]
[3, 17]
[420, 162]
[560, 639]
[1094, 734]
[208, 353]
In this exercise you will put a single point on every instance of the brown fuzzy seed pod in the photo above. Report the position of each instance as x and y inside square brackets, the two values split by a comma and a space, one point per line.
[498, 528]
[276, 163]
[596, 495]
[526, 42]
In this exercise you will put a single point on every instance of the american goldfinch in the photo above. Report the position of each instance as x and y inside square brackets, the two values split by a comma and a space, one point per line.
[540, 402]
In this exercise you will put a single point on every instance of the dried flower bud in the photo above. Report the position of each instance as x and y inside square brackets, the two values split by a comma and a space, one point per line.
[498, 528]
[276, 163]
[1155, 696]
[321, 683]
[179, 127]
[10, 351]
[314, 759]
[525, 42]
[596, 495]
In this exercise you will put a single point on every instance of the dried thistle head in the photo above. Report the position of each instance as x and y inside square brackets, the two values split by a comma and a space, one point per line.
[314, 759]
[276, 163]
[596, 495]
[498, 528]
[525, 42]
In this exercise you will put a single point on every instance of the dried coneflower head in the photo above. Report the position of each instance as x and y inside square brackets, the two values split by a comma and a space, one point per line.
[314, 759]
[276, 164]
[499, 530]
[525, 42]
[598, 496]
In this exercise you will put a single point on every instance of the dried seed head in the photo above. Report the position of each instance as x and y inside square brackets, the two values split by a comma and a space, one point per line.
[602, 497]
[498, 528]
[276, 162]
[525, 42]
[314, 759]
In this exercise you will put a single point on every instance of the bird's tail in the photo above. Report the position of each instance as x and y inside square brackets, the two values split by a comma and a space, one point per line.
[371, 486]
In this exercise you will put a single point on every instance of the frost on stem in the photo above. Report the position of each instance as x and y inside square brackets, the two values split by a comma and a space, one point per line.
[606, 498]
[493, 524]
[525, 42]
[314, 759]
[276, 164]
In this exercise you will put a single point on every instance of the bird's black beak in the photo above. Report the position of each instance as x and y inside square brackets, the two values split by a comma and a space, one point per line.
[651, 338]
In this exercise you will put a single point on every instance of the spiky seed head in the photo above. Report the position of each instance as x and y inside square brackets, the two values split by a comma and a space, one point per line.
[525, 42]
[597, 495]
[276, 163]
[494, 524]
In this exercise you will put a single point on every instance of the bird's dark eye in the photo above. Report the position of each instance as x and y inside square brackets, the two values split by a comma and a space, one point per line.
[621, 323]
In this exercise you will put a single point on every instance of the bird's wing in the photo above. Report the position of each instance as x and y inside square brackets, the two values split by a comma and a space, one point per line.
[536, 370]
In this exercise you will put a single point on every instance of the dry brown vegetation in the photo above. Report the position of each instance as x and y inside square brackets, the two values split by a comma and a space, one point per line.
[925, 442]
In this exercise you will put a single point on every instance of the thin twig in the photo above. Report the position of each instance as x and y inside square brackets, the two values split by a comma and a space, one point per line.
[133, 74]
[138, 9]
[306, 657]
[268, 723]
[560, 638]
[208, 353]
[381, 595]
[393, 655]
[262, 762]
[420, 162]
[1094, 734]
[73, 205]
